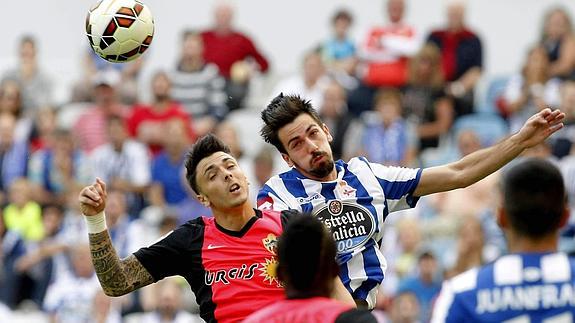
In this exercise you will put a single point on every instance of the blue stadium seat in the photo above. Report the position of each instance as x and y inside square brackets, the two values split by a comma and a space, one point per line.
[489, 127]
[488, 103]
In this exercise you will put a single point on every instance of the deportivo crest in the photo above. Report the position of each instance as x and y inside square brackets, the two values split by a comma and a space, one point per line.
[351, 224]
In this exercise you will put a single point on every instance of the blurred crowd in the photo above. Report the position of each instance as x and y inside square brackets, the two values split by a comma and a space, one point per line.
[400, 96]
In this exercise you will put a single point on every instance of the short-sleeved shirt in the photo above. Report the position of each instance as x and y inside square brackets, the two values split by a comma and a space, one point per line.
[529, 287]
[354, 207]
[232, 273]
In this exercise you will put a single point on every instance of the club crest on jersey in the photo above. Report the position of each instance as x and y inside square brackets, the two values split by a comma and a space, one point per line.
[271, 243]
[346, 190]
[351, 224]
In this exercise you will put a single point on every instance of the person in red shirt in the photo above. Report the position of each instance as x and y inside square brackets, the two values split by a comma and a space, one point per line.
[307, 266]
[147, 122]
[234, 53]
[229, 259]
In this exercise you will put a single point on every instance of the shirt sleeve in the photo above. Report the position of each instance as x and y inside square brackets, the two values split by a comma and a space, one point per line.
[164, 258]
[268, 199]
[398, 184]
[447, 309]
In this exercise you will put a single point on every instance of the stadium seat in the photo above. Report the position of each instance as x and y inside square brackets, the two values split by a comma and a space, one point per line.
[489, 127]
[488, 101]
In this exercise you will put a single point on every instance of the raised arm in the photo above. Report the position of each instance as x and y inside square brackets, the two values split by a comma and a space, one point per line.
[479, 164]
[117, 276]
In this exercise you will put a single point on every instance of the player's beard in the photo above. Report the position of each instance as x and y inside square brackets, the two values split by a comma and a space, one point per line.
[324, 167]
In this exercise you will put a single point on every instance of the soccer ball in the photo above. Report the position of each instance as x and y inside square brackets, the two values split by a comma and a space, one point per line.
[119, 30]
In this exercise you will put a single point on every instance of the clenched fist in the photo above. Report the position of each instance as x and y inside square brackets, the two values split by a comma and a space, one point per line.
[93, 198]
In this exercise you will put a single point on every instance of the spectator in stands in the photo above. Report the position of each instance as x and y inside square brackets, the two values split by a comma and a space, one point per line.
[123, 163]
[405, 308]
[234, 53]
[424, 100]
[386, 137]
[310, 83]
[470, 242]
[169, 307]
[531, 90]
[36, 86]
[58, 169]
[22, 214]
[562, 143]
[558, 38]
[169, 188]
[90, 129]
[11, 249]
[197, 84]
[13, 155]
[146, 122]
[384, 56]
[263, 169]
[335, 115]
[425, 284]
[339, 52]
[11, 102]
[461, 57]
[43, 129]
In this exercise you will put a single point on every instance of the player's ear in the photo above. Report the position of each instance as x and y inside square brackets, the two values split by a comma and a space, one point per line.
[501, 218]
[326, 130]
[287, 159]
[203, 199]
[564, 217]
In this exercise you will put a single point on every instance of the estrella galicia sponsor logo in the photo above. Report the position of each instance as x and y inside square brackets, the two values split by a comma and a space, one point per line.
[304, 200]
[351, 224]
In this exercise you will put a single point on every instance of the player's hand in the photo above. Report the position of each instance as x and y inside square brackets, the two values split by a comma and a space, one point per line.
[540, 126]
[93, 198]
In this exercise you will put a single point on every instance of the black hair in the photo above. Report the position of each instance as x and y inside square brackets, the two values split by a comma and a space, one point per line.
[204, 147]
[281, 111]
[534, 197]
[306, 258]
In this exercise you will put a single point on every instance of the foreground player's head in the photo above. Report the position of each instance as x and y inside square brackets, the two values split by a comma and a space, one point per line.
[534, 204]
[215, 175]
[293, 126]
[306, 255]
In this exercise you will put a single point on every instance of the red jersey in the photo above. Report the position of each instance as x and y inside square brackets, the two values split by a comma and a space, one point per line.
[309, 310]
[232, 273]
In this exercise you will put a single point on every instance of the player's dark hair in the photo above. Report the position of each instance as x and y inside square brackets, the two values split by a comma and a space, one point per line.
[283, 110]
[306, 256]
[534, 197]
[204, 147]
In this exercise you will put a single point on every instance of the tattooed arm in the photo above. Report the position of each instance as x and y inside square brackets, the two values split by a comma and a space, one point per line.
[117, 277]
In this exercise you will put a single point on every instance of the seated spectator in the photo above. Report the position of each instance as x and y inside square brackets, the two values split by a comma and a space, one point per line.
[123, 163]
[562, 142]
[13, 155]
[234, 53]
[146, 122]
[383, 57]
[310, 83]
[11, 103]
[58, 169]
[43, 129]
[341, 124]
[307, 267]
[263, 169]
[90, 127]
[198, 86]
[424, 101]
[469, 250]
[387, 138]
[425, 284]
[37, 88]
[22, 214]
[461, 57]
[11, 249]
[558, 39]
[405, 308]
[339, 52]
[531, 90]
[169, 307]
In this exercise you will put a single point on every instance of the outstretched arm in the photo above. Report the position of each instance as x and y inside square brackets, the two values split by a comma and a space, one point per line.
[117, 277]
[479, 164]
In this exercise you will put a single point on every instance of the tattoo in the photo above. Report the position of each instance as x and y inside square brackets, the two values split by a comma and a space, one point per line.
[117, 277]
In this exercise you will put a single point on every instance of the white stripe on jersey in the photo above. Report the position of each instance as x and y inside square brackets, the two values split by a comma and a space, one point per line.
[394, 174]
[466, 281]
[443, 303]
[508, 270]
[277, 184]
[555, 268]
[356, 272]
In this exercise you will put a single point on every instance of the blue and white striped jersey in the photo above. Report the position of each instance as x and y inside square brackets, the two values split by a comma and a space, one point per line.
[517, 288]
[354, 207]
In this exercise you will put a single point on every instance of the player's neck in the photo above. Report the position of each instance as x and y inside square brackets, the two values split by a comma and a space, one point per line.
[234, 219]
[521, 244]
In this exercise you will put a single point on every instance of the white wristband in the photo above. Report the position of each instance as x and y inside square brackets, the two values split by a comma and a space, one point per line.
[96, 223]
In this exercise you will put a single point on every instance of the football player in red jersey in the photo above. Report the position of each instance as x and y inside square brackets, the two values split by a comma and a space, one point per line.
[229, 260]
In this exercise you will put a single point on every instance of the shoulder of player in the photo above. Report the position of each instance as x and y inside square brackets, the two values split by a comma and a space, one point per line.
[466, 281]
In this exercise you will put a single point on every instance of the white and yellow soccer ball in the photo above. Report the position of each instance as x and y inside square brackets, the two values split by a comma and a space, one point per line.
[120, 30]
